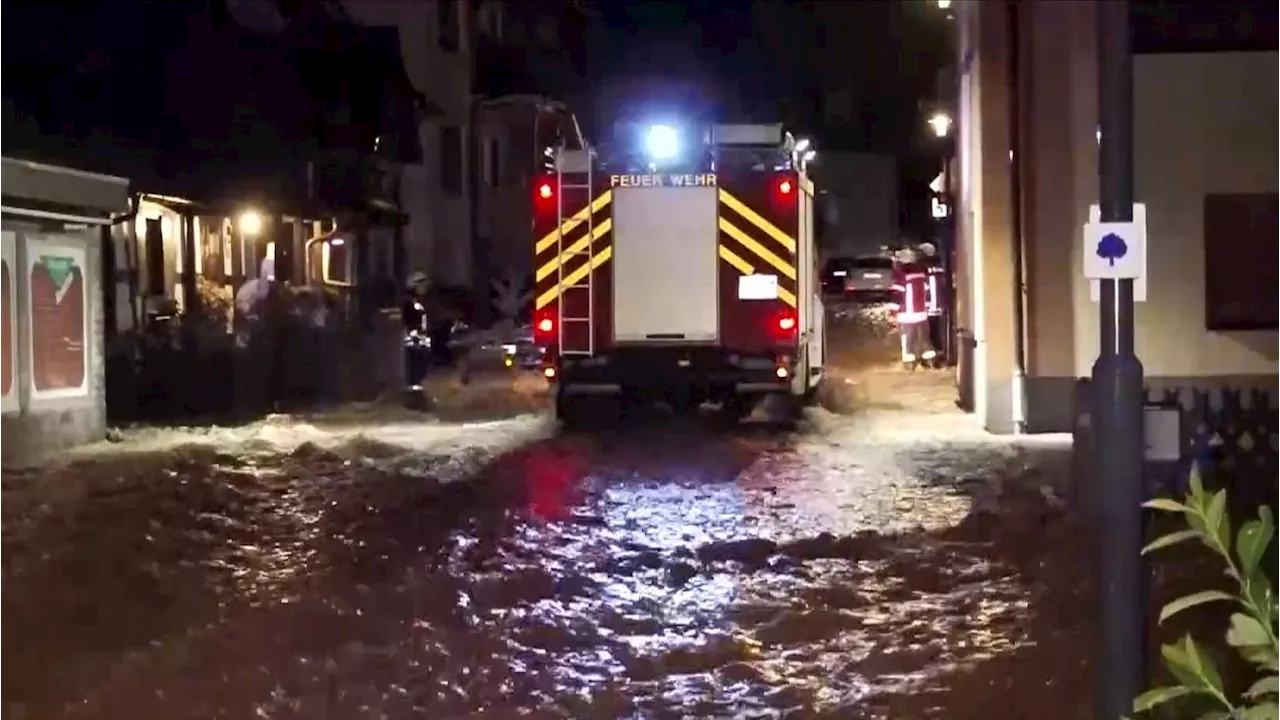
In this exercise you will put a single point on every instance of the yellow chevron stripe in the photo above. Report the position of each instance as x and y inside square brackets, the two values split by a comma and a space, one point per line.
[745, 268]
[579, 246]
[783, 266]
[574, 277]
[754, 218]
[577, 219]
[738, 263]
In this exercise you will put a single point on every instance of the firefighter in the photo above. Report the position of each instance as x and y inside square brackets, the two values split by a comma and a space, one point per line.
[913, 316]
[416, 337]
[935, 303]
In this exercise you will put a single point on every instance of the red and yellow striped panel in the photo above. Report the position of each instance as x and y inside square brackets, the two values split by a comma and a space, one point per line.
[560, 256]
[753, 243]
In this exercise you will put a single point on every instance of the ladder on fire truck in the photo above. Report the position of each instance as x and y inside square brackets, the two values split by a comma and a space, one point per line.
[576, 164]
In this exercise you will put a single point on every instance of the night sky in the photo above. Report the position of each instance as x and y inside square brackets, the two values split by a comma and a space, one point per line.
[141, 71]
[737, 60]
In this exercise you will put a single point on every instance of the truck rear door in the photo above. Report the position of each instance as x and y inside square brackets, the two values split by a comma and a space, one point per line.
[665, 267]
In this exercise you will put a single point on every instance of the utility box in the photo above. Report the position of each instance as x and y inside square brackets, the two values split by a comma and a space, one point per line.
[53, 380]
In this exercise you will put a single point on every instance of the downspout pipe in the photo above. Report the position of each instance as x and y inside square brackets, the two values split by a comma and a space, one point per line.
[109, 266]
[1018, 390]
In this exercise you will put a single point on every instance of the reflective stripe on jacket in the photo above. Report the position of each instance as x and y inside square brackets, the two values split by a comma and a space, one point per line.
[914, 308]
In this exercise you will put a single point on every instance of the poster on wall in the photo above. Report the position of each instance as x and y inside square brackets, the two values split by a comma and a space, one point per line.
[58, 314]
[8, 362]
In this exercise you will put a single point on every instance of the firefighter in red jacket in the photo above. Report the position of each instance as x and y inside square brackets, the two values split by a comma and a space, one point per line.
[912, 281]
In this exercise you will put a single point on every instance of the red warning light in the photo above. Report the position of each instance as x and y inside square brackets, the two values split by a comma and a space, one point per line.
[786, 323]
[784, 187]
[544, 191]
[546, 325]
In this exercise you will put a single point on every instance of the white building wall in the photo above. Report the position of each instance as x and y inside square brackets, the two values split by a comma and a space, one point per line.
[1204, 123]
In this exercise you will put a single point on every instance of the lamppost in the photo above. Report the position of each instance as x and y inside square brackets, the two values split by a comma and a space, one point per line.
[1118, 393]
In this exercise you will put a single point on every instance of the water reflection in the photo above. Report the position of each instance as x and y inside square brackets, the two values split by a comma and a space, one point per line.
[656, 576]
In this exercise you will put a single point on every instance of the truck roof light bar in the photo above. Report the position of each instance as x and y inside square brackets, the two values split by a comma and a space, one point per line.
[756, 135]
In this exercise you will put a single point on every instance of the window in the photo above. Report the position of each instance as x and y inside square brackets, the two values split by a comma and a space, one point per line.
[489, 18]
[154, 255]
[1240, 261]
[874, 263]
[493, 165]
[335, 261]
[450, 29]
[451, 159]
[548, 33]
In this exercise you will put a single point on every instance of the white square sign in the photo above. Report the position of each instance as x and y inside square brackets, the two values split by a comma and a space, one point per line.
[758, 287]
[1103, 258]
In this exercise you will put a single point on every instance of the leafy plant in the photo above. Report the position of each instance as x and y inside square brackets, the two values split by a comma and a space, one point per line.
[510, 298]
[1252, 631]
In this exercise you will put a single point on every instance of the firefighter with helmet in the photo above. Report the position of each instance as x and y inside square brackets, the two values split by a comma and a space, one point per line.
[912, 281]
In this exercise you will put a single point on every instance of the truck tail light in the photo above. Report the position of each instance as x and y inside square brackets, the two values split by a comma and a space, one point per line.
[544, 191]
[544, 327]
[784, 326]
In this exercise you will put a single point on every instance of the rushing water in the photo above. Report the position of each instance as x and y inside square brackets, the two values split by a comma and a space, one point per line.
[664, 572]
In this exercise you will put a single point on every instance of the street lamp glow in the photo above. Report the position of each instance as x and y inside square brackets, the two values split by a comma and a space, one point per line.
[663, 142]
[802, 145]
[808, 156]
[941, 124]
[944, 4]
[250, 223]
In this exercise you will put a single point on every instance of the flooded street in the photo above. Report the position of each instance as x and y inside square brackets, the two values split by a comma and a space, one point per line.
[881, 559]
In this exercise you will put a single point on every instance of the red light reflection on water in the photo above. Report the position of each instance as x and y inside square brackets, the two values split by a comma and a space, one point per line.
[552, 483]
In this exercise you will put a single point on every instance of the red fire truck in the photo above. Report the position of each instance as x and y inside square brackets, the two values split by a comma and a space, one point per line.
[680, 281]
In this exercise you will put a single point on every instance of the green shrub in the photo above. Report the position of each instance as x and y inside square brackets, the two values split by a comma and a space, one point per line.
[1252, 631]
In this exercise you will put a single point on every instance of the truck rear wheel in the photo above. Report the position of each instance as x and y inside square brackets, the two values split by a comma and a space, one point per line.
[569, 409]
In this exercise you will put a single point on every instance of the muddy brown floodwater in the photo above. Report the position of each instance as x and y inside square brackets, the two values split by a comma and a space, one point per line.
[881, 561]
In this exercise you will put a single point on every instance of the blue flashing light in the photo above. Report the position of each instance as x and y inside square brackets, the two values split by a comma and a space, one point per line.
[662, 143]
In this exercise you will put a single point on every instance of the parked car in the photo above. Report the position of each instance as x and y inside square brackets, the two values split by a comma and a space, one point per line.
[521, 352]
[870, 280]
[834, 273]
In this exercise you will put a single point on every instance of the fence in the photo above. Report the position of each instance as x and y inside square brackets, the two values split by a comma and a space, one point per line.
[197, 371]
[1230, 433]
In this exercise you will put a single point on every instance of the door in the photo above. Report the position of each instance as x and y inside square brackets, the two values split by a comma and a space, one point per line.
[665, 267]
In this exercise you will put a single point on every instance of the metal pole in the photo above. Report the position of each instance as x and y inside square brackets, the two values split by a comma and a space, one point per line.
[1118, 395]
[1016, 108]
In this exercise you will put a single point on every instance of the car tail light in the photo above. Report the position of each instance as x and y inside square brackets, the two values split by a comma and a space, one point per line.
[786, 323]
[784, 187]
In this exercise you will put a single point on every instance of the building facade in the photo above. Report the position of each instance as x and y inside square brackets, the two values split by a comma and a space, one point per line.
[1205, 162]
[437, 51]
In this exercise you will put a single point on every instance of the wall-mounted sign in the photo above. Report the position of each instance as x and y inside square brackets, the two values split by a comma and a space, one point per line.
[940, 209]
[9, 360]
[58, 314]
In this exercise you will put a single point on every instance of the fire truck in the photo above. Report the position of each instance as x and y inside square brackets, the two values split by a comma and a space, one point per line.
[680, 275]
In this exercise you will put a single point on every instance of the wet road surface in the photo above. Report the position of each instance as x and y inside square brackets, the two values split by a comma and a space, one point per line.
[881, 563]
